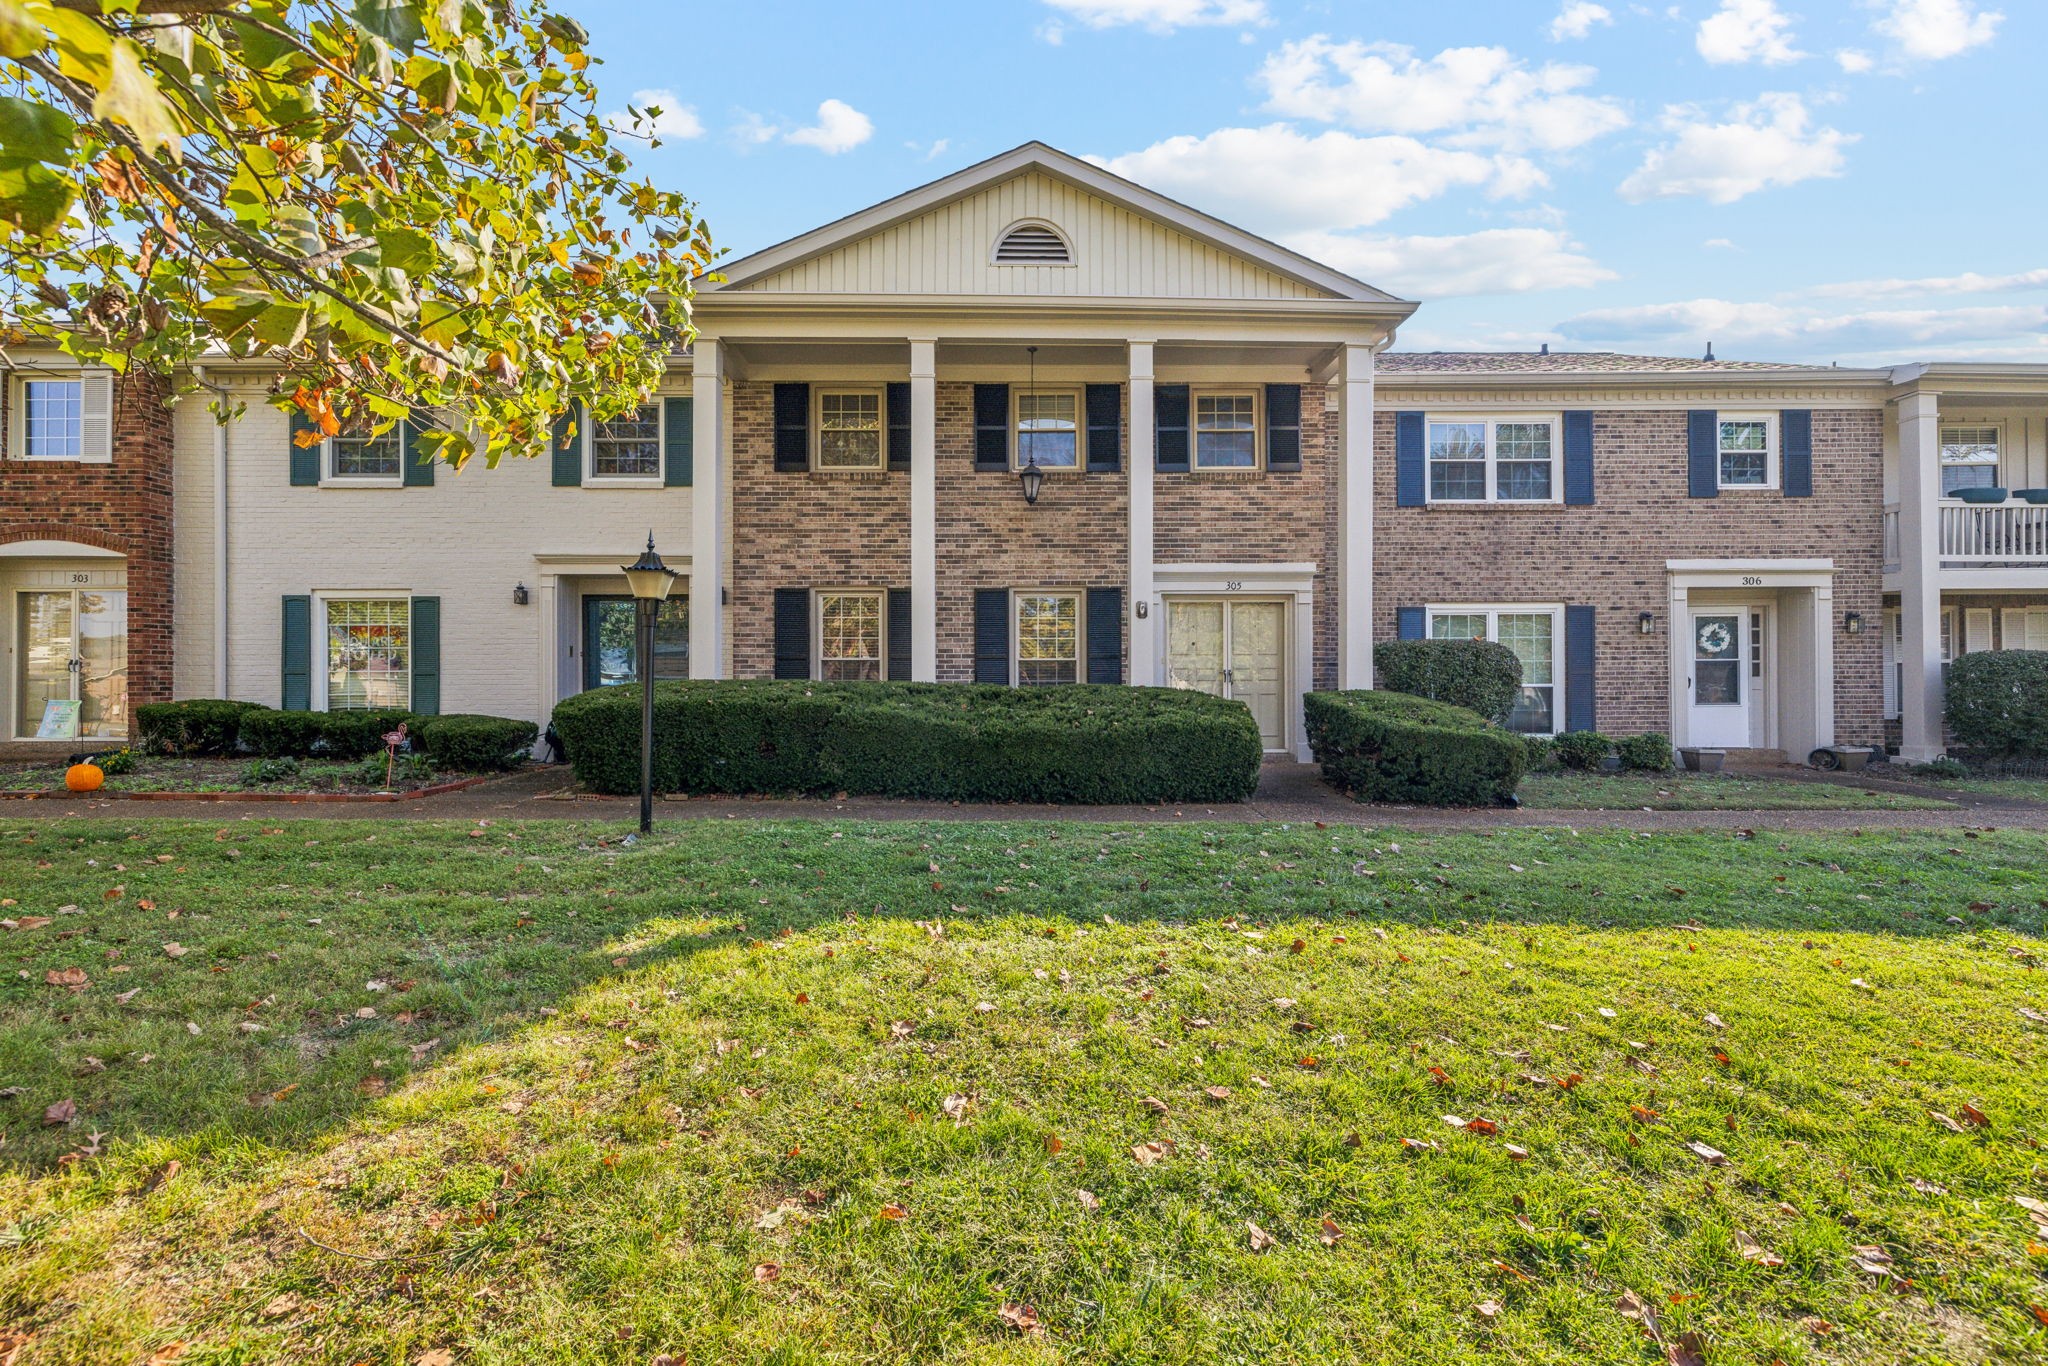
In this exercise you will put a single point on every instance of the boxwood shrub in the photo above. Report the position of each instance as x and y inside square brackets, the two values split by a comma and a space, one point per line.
[950, 741]
[1582, 749]
[1393, 747]
[474, 743]
[1478, 675]
[1649, 752]
[327, 734]
[196, 726]
[1998, 702]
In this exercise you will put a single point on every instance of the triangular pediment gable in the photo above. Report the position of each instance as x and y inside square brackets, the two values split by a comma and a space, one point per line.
[1124, 240]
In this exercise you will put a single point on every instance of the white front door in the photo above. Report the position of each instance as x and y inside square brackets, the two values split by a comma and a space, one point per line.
[1721, 682]
[1233, 649]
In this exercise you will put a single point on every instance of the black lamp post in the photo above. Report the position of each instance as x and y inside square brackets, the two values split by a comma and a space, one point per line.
[1030, 476]
[650, 580]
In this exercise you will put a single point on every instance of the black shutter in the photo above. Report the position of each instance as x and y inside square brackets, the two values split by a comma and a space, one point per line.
[1580, 679]
[793, 430]
[1703, 453]
[1105, 635]
[1409, 439]
[899, 635]
[1795, 432]
[1578, 459]
[1283, 427]
[419, 474]
[992, 427]
[1105, 403]
[565, 443]
[899, 425]
[1410, 623]
[679, 442]
[305, 460]
[992, 635]
[792, 633]
[1170, 428]
[296, 659]
[425, 645]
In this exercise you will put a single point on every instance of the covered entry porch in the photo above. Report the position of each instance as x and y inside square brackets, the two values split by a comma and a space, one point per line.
[1753, 654]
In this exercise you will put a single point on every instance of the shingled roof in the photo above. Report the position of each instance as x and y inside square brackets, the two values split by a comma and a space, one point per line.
[1558, 363]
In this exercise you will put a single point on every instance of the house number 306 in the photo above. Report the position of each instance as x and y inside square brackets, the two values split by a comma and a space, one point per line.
[1232, 585]
[1752, 581]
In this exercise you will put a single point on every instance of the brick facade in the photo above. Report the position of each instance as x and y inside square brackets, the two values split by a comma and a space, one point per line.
[122, 506]
[1612, 555]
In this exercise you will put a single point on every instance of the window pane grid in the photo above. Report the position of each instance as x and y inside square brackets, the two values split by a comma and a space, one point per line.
[53, 422]
[369, 653]
[1048, 638]
[1520, 455]
[1969, 458]
[850, 431]
[627, 446]
[850, 637]
[1745, 454]
[1226, 431]
[1532, 636]
[367, 457]
[1048, 430]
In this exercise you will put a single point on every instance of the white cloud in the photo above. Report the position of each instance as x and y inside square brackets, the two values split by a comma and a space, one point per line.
[1769, 141]
[1481, 96]
[1161, 16]
[674, 119]
[840, 128]
[1577, 19]
[1969, 282]
[1855, 61]
[1276, 179]
[1720, 244]
[1933, 29]
[1747, 31]
[1782, 330]
[1496, 261]
[932, 151]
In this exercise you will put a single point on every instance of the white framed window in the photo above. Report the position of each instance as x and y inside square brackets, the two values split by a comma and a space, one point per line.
[852, 429]
[1747, 451]
[625, 449]
[1045, 427]
[1535, 632]
[1969, 456]
[2023, 628]
[61, 415]
[1224, 429]
[1507, 459]
[851, 640]
[1047, 641]
[366, 651]
[364, 457]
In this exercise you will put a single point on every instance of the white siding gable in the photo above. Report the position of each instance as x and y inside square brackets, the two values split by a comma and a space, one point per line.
[1117, 252]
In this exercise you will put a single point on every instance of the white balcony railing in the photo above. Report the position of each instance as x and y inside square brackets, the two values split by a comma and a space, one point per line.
[1988, 534]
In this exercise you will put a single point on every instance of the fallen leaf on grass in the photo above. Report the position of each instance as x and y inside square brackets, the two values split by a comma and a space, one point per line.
[1216, 1092]
[768, 1271]
[284, 1304]
[955, 1107]
[1022, 1317]
[1753, 1251]
[1713, 1157]
[1714, 1020]
[1472, 1126]
[1945, 1122]
[1156, 1106]
[1973, 1115]
[175, 950]
[1514, 1153]
[63, 1112]
[894, 1212]
[1633, 1306]
[71, 979]
[1260, 1239]
[1689, 1350]
[1419, 1144]
[1926, 1187]
[1487, 1309]
[2039, 1313]
[1331, 1235]
[1088, 1200]
[438, 1356]
[1149, 1153]
[2031, 1205]
[1053, 1143]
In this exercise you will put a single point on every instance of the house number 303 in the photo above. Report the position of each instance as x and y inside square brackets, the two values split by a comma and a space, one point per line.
[1233, 585]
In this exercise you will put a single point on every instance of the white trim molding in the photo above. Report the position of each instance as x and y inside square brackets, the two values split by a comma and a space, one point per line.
[1293, 581]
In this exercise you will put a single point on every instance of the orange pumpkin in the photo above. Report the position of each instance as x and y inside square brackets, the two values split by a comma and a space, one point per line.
[84, 777]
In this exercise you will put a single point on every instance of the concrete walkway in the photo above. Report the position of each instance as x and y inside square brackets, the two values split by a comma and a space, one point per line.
[1288, 793]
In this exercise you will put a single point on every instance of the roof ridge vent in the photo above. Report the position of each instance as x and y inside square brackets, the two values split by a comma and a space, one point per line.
[1032, 242]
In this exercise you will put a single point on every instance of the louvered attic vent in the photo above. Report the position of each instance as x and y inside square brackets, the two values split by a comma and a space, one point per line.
[1032, 244]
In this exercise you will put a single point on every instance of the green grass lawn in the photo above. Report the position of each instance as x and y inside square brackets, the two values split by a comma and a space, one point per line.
[1566, 791]
[833, 1092]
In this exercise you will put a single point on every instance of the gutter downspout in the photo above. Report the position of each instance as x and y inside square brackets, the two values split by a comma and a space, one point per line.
[220, 539]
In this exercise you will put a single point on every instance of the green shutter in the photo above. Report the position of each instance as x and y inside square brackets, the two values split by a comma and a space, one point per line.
[305, 460]
[296, 655]
[419, 474]
[565, 441]
[679, 435]
[426, 656]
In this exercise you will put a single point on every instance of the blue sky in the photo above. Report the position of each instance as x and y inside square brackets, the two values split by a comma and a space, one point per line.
[1851, 180]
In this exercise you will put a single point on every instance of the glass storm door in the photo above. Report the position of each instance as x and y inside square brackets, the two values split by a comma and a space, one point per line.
[1720, 681]
[611, 646]
[73, 651]
[1233, 649]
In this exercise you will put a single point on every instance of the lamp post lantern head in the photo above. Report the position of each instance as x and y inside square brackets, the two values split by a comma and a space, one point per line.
[1032, 478]
[649, 577]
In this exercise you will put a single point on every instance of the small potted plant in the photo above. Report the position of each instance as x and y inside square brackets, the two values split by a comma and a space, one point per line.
[1982, 495]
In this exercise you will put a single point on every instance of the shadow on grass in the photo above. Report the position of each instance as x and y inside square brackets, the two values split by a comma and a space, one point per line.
[263, 983]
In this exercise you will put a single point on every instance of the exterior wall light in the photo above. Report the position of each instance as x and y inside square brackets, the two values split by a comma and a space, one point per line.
[1852, 622]
[1032, 478]
[1646, 624]
[520, 597]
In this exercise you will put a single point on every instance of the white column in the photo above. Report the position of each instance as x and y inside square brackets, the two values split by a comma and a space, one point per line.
[1678, 636]
[1920, 692]
[1354, 519]
[924, 510]
[710, 465]
[1822, 679]
[1144, 634]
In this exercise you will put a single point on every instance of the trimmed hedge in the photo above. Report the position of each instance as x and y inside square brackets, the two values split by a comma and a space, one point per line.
[1393, 747]
[199, 726]
[1649, 752]
[328, 734]
[474, 743]
[1478, 675]
[948, 741]
[1998, 702]
[1582, 749]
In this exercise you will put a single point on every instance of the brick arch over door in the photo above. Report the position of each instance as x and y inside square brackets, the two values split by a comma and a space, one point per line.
[12, 532]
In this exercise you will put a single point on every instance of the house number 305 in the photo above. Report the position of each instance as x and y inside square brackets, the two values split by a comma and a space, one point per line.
[1232, 585]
